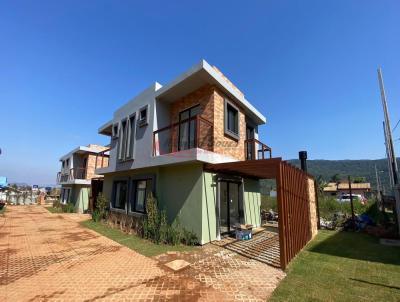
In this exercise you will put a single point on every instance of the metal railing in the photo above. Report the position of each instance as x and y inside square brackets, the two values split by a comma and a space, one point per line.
[72, 174]
[254, 149]
[194, 132]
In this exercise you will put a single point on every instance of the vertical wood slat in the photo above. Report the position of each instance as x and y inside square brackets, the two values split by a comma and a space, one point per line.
[294, 217]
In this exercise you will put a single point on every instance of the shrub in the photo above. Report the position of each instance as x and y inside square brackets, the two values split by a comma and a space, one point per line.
[154, 227]
[69, 207]
[268, 202]
[189, 238]
[96, 216]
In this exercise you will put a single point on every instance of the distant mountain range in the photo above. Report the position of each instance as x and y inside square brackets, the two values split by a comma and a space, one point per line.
[355, 168]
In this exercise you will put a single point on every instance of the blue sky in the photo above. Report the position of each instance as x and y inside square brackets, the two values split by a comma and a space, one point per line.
[309, 66]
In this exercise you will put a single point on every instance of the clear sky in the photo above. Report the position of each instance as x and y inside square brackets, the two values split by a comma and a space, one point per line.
[308, 66]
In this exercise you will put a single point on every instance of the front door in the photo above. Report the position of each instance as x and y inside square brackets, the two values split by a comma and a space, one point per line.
[230, 205]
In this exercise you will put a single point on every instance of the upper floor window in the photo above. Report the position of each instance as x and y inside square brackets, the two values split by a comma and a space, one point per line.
[143, 113]
[130, 137]
[67, 163]
[122, 140]
[63, 164]
[231, 120]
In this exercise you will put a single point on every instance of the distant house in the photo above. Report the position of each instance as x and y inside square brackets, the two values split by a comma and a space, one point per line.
[338, 189]
[78, 171]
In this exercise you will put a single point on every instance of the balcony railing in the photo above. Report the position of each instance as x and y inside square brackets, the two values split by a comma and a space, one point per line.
[102, 159]
[72, 174]
[194, 132]
[256, 150]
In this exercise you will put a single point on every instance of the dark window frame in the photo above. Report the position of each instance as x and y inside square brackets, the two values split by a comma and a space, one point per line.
[131, 136]
[133, 190]
[114, 193]
[228, 131]
[189, 123]
[143, 121]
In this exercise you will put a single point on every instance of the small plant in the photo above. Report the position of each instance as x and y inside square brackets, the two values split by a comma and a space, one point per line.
[189, 238]
[56, 204]
[69, 207]
[96, 216]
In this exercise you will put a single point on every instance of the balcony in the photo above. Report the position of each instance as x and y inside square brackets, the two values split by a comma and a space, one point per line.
[255, 149]
[72, 174]
[102, 159]
[194, 132]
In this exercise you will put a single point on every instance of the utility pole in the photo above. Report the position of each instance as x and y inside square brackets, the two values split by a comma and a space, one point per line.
[388, 130]
[390, 150]
[389, 158]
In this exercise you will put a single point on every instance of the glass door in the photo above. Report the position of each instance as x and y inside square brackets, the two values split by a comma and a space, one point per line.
[250, 146]
[187, 128]
[230, 206]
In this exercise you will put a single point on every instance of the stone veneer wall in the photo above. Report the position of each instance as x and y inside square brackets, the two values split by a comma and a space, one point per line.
[312, 207]
[91, 165]
[212, 107]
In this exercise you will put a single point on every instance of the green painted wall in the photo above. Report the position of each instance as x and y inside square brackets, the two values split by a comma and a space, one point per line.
[79, 196]
[209, 208]
[180, 194]
[252, 202]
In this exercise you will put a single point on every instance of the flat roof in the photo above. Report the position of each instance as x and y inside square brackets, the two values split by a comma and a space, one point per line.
[203, 73]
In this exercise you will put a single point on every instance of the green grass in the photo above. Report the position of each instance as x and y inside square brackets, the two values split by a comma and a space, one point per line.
[342, 266]
[53, 210]
[134, 242]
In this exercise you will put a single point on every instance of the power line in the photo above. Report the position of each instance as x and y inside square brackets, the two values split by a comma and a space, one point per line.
[396, 125]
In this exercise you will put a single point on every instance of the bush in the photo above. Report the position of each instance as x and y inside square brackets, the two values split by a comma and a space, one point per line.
[96, 216]
[100, 211]
[268, 203]
[155, 227]
[69, 207]
[328, 206]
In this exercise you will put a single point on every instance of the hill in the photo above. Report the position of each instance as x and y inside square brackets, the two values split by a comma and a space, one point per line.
[355, 168]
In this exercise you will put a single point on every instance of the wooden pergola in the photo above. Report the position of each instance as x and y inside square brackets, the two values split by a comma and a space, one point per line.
[293, 198]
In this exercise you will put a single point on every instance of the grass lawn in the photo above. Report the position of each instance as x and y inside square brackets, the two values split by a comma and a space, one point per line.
[342, 266]
[134, 242]
[53, 209]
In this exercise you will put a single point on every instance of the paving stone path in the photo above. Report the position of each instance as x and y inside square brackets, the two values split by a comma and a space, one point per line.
[50, 257]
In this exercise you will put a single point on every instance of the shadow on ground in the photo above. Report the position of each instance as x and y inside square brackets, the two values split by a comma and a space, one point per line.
[357, 246]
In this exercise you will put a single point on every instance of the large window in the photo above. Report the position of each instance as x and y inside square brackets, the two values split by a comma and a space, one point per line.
[187, 128]
[141, 190]
[120, 194]
[231, 120]
[130, 137]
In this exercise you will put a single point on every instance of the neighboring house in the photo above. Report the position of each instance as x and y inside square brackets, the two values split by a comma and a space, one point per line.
[160, 141]
[78, 171]
[338, 189]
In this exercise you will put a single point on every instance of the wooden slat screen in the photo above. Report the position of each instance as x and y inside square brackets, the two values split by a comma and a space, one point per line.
[293, 209]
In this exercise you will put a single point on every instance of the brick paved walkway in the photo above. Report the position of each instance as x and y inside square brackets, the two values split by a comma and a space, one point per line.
[49, 257]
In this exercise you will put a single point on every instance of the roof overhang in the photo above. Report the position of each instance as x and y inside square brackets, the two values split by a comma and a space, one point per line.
[80, 150]
[106, 129]
[199, 75]
[260, 169]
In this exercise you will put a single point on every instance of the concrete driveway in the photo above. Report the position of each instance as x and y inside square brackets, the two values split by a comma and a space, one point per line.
[50, 257]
